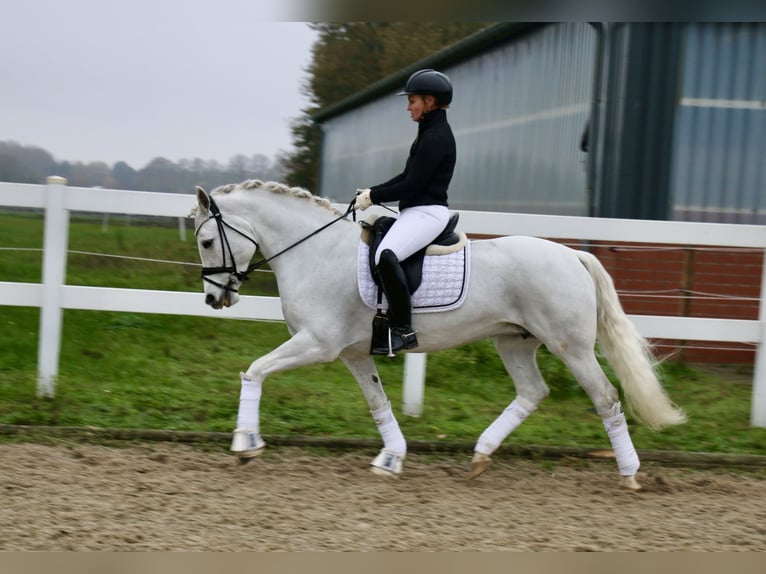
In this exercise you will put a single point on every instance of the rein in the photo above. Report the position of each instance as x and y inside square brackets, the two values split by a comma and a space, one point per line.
[232, 269]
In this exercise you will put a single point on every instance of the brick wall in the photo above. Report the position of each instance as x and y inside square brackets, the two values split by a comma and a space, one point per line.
[688, 282]
[678, 281]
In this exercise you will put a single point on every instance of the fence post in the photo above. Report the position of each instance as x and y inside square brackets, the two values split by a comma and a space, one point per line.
[414, 383]
[55, 243]
[182, 228]
[758, 401]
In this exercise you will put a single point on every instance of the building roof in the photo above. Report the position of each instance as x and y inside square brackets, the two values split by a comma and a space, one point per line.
[468, 47]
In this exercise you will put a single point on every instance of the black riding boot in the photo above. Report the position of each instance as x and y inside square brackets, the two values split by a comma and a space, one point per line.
[400, 333]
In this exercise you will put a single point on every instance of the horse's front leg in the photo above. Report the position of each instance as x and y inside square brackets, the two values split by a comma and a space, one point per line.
[300, 350]
[389, 460]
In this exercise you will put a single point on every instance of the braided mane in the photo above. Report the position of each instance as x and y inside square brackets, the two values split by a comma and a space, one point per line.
[275, 187]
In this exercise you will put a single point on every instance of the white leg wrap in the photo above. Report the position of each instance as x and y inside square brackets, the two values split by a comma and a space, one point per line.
[393, 439]
[248, 416]
[617, 429]
[498, 431]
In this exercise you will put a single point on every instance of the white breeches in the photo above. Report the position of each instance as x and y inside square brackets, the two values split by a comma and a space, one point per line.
[414, 228]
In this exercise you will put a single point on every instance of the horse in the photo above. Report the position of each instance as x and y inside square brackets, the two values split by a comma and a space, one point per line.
[524, 292]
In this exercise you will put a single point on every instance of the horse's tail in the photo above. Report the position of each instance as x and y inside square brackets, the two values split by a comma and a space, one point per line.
[629, 354]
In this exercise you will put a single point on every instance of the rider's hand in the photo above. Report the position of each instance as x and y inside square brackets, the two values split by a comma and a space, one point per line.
[363, 199]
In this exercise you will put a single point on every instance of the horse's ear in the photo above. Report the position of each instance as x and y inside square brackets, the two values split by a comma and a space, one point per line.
[203, 200]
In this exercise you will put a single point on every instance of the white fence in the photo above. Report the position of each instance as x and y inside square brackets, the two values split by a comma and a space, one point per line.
[53, 295]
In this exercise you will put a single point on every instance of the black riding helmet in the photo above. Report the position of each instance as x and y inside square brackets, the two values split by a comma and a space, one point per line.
[429, 83]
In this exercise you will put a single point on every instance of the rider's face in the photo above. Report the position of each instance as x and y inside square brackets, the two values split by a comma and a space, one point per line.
[418, 106]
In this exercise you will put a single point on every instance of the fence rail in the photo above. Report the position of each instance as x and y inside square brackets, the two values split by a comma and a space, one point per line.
[53, 295]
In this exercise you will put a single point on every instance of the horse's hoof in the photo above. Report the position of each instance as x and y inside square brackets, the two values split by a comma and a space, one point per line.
[245, 456]
[382, 472]
[387, 463]
[629, 483]
[246, 445]
[480, 464]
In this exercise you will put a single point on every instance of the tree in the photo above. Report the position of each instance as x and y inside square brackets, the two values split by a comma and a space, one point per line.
[125, 176]
[261, 167]
[25, 164]
[302, 165]
[93, 174]
[346, 58]
[9, 168]
[161, 175]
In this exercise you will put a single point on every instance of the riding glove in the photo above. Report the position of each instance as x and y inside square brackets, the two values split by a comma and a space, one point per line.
[363, 199]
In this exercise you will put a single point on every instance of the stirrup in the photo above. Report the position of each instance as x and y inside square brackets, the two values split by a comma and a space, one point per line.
[399, 339]
[407, 336]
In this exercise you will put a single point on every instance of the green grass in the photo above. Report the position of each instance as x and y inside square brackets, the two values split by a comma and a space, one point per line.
[147, 371]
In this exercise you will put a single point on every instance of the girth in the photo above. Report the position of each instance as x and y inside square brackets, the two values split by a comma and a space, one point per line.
[413, 265]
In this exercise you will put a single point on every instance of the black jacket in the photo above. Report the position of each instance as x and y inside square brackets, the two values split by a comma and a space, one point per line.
[429, 167]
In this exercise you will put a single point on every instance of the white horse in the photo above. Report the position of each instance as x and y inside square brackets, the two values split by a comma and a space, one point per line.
[523, 292]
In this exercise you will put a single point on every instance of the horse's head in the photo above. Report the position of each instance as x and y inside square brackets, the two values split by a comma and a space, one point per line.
[226, 244]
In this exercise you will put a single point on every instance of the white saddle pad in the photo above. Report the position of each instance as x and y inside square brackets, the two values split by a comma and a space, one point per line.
[444, 285]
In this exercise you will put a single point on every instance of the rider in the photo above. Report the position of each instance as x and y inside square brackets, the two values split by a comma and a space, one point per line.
[421, 190]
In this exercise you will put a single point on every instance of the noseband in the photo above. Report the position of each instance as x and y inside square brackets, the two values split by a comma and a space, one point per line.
[225, 246]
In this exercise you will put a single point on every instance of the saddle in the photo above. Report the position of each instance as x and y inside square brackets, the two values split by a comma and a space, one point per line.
[375, 228]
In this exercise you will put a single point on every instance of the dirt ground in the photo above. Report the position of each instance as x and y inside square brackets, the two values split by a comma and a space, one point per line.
[167, 497]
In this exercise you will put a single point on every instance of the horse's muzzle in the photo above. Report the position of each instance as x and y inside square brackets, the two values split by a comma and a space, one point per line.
[227, 298]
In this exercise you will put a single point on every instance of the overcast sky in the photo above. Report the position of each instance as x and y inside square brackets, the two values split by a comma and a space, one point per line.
[131, 80]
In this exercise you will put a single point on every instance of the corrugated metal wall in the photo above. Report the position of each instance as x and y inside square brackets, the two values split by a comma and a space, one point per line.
[520, 107]
[719, 151]
[518, 115]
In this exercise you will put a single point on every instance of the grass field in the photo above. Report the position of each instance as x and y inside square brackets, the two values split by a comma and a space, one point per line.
[148, 371]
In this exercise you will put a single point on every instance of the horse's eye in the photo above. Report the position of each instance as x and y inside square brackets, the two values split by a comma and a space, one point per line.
[207, 243]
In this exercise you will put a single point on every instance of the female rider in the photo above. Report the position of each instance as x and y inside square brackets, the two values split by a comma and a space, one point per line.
[421, 190]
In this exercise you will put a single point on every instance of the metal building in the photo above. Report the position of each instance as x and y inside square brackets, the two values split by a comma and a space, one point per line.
[719, 145]
[676, 117]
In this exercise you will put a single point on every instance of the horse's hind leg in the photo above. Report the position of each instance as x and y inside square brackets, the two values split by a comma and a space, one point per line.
[388, 462]
[586, 369]
[519, 356]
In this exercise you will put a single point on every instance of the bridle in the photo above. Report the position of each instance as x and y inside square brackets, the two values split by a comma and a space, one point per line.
[215, 214]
